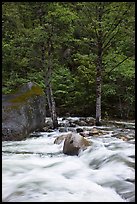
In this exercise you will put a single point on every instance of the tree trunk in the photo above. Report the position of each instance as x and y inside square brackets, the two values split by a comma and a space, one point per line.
[48, 71]
[98, 93]
[52, 107]
[120, 107]
[99, 70]
[49, 92]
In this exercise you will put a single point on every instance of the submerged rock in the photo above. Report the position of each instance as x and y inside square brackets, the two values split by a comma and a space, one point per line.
[23, 112]
[74, 143]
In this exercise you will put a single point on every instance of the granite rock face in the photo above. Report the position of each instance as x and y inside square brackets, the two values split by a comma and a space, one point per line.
[23, 112]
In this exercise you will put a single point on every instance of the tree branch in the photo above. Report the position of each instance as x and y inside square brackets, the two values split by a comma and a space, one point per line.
[116, 25]
[106, 36]
[109, 41]
[116, 66]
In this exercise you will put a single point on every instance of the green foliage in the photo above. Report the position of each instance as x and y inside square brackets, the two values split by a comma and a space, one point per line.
[26, 30]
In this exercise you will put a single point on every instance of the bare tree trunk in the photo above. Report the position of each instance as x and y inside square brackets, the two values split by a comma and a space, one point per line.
[99, 70]
[49, 92]
[48, 72]
[120, 107]
[51, 104]
[98, 92]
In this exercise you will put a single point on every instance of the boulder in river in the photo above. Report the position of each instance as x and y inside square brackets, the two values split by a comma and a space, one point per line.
[74, 143]
[23, 112]
[61, 138]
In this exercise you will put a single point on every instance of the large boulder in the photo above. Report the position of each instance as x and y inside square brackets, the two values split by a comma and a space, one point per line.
[61, 138]
[23, 112]
[74, 143]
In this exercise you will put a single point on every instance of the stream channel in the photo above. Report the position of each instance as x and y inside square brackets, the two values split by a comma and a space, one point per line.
[36, 170]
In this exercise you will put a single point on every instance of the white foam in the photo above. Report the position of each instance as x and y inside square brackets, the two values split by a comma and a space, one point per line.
[36, 170]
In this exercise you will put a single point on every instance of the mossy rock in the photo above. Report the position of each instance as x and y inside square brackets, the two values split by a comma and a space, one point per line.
[23, 111]
[22, 95]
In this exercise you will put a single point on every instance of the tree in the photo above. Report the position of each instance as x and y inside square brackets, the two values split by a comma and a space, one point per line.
[104, 24]
[40, 38]
[54, 26]
[81, 53]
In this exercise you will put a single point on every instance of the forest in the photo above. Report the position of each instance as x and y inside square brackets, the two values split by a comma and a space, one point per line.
[82, 54]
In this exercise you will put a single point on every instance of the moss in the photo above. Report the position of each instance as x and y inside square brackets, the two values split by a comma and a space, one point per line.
[35, 90]
[20, 96]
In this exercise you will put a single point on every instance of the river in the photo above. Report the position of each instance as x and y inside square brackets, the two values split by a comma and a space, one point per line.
[36, 170]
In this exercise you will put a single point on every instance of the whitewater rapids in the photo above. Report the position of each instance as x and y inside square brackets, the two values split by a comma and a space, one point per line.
[36, 170]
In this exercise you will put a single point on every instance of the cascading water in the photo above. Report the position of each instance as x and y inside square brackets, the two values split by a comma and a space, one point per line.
[36, 170]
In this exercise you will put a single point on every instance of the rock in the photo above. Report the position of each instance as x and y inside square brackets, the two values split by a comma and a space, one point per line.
[124, 138]
[48, 123]
[85, 121]
[84, 134]
[78, 130]
[80, 123]
[72, 124]
[120, 124]
[61, 138]
[96, 132]
[63, 129]
[90, 121]
[74, 143]
[23, 112]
